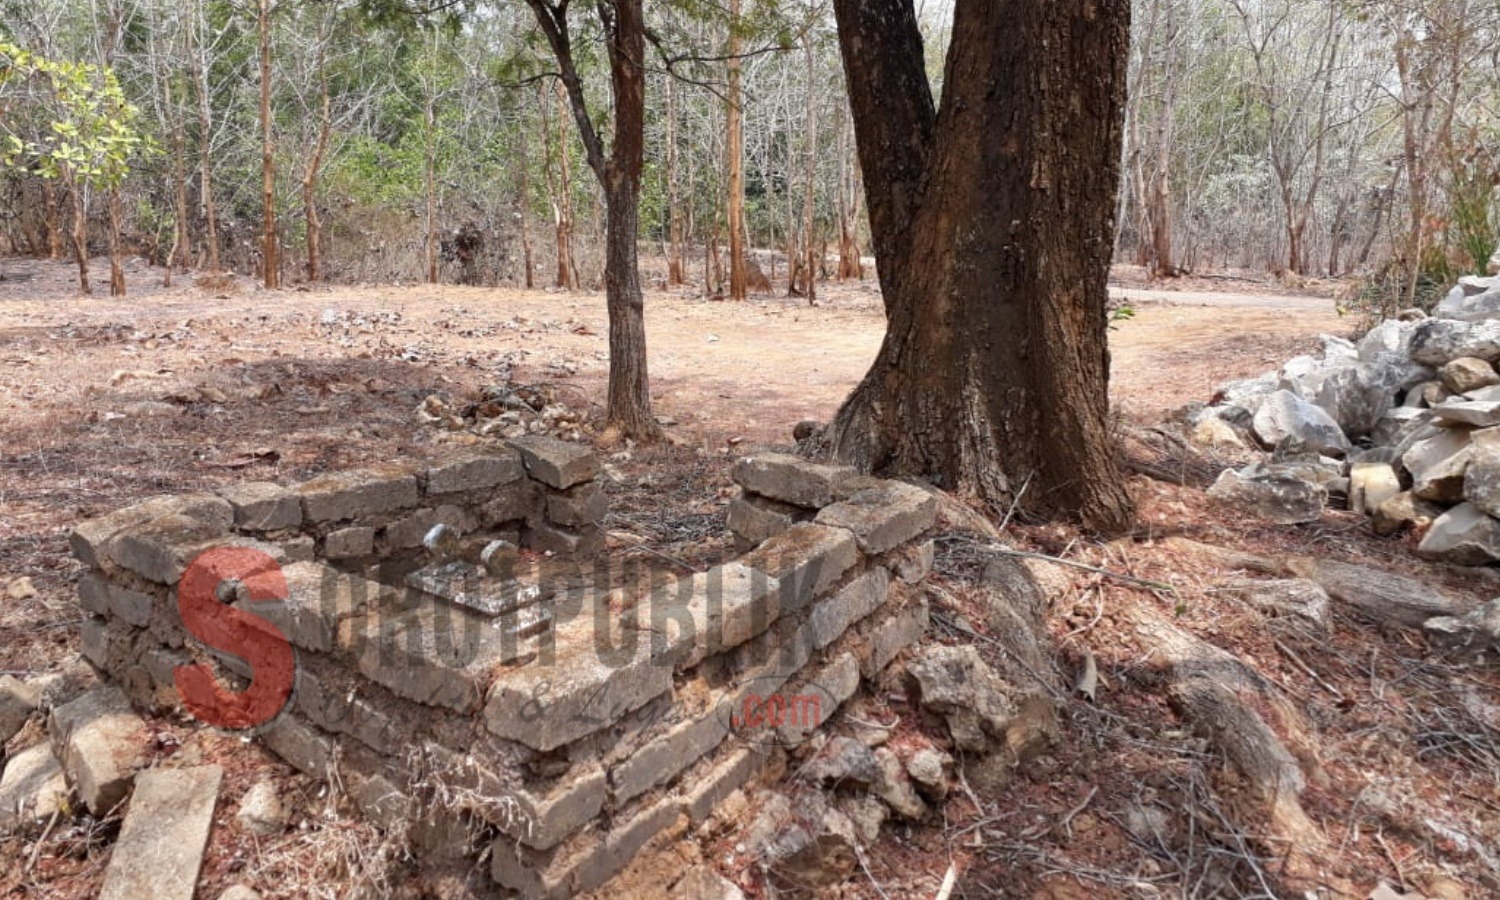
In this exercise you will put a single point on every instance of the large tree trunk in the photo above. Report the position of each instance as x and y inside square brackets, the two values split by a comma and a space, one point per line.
[993, 228]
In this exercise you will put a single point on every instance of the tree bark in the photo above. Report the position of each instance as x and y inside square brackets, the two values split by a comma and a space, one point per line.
[735, 140]
[310, 173]
[628, 407]
[50, 220]
[116, 253]
[80, 230]
[675, 274]
[429, 168]
[809, 200]
[524, 203]
[205, 151]
[271, 272]
[993, 227]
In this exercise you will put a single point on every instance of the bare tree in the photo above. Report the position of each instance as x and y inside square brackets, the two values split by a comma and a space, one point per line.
[628, 409]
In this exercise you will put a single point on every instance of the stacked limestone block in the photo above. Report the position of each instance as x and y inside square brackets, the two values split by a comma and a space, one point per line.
[562, 750]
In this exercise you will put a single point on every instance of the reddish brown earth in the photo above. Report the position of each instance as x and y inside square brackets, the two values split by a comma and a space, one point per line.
[107, 401]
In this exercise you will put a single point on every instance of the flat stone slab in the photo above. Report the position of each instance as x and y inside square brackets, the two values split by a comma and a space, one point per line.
[161, 844]
[262, 506]
[883, 516]
[472, 471]
[806, 560]
[349, 495]
[90, 539]
[1479, 413]
[792, 479]
[575, 687]
[557, 464]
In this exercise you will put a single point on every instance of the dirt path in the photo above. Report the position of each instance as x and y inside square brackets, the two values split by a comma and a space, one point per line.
[718, 369]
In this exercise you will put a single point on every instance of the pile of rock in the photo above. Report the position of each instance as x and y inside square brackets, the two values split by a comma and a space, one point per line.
[1403, 427]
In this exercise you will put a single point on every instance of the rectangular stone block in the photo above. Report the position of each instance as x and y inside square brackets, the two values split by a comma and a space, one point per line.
[706, 789]
[302, 548]
[719, 609]
[308, 750]
[755, 519]
[440, 655]
[791, 479]
[544, 537]
[349, 495]
[552, 874]
[557, 464]
[833, 684]
[668, 755]
[319, 599]
[162, 841]
[407, 532]
[349, 543]
[910, 562]
[473, 470]
[883, 517]
[833, 615]
[262, 506]
[578, 506]
[886, 638]
[93, 594]
[520, 501]
[547, 819]
[89, 539]
[336, 702]
[806, 560]
[102, 744]
[574, 688]
[160, 550]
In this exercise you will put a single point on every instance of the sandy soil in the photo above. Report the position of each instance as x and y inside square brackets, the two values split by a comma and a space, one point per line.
[106, 401]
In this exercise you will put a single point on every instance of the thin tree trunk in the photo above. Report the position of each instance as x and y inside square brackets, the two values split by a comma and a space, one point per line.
[80, 230]
[560, 186]
[628, 407]
[116, 253]
[735, 138]
[993, 224]
[205, 150]
[50, 216]
[269, 247]
[429, 167]
[310, 173]
[675, 274]
[809, 201]
[525, 202]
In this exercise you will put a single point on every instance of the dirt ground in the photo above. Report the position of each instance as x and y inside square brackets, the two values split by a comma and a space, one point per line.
[106, 401]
